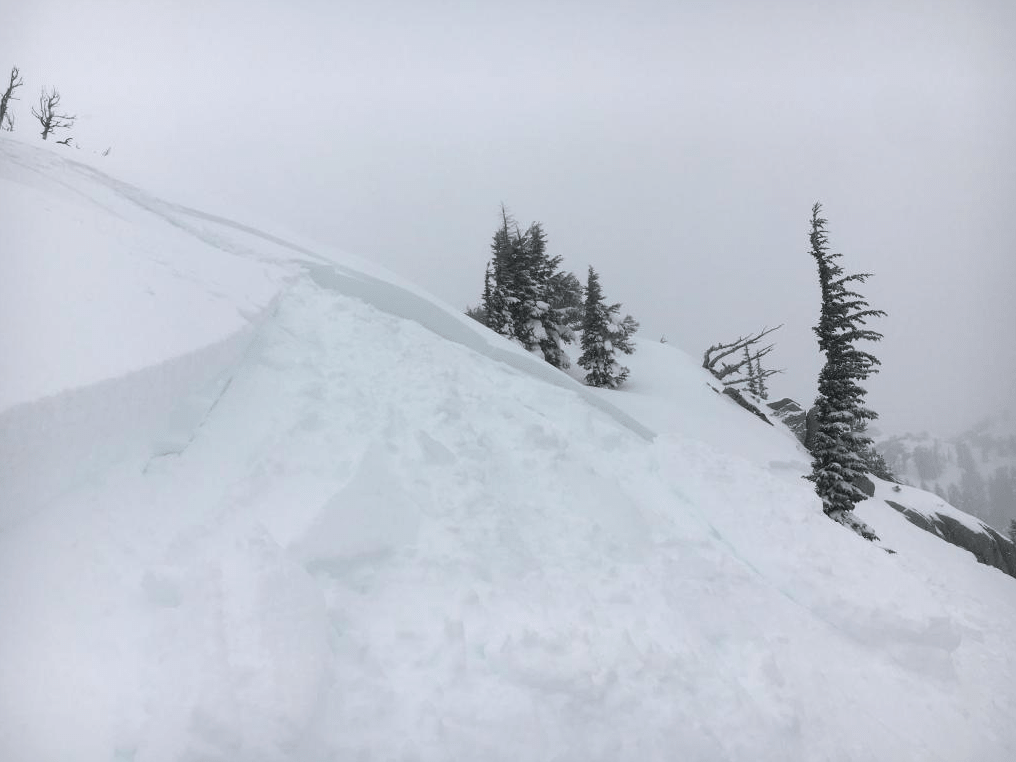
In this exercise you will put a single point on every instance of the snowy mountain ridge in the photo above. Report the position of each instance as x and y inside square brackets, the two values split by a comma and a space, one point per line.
[260, 502]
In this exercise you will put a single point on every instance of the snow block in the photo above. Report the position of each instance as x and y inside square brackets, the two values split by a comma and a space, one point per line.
[53, 444]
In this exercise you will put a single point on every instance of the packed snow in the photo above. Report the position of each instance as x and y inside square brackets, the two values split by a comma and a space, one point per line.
[262, 501]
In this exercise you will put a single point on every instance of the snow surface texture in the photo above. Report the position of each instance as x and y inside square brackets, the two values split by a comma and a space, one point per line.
[263, 504]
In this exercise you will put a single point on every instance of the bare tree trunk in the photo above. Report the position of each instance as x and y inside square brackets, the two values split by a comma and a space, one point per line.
[717, 352]
[7, 97]
[47, 114]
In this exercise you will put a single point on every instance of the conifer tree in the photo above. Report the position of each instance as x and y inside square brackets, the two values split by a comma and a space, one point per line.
[840, 412]
[546, 322]
[760, 378]
[752, 378]
[566, 295]
[603, 335]
[518, 289]
[495, 305]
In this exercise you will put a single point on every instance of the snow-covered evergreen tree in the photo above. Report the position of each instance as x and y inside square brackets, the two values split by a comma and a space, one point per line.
[566, 295]
[519, 288]
[495, 293]
[841, 414]
[547, 323]
[603, 335]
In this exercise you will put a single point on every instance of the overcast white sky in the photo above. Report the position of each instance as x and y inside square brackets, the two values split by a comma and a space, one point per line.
[675, 146]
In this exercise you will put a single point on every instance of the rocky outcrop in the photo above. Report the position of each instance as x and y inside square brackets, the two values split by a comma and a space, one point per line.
[792, 414]
[974, 470]
[739, 398]
[988, 546]
[866, 485]
[811, 428]
[803, 423]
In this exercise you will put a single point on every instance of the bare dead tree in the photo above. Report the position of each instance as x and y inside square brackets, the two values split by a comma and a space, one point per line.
[717, 352]
[47, 113]
[65, 142]
[726, 372]
[6, 120]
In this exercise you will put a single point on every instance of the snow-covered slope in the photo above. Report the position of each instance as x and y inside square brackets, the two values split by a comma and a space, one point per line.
[261, 502]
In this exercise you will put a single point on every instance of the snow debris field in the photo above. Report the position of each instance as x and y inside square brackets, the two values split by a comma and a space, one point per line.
[260, 501]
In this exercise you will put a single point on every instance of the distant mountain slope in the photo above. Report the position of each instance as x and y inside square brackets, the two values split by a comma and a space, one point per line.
[331, 519]
[975, 471]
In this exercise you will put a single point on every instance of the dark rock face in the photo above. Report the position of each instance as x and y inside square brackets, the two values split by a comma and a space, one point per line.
[735, 395]
[811, 428]
[804, 423]
[792, 414]
[866, 485]
[988, 546]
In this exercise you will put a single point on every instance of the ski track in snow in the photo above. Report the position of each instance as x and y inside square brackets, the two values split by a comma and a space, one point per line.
[342, 536]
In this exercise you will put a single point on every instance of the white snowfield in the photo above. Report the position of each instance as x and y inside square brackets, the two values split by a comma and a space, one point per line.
[259, 501]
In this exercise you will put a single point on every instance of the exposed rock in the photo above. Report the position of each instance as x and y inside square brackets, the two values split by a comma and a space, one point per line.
[811, 429]
[866, 485]
[792, 414]
[740, 399]
[803, 424]
[988, 546]
[974, 470]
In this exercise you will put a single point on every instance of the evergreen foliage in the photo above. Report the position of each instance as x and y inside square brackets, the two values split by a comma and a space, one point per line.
[518, 291]
[752, 377]
[477, 313]
[603, 335]
[1012, 531]
[876, 465]
[841, 415]
[760, 379]
[566, 296]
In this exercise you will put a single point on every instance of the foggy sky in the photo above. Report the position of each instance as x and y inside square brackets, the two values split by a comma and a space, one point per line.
[675, 146]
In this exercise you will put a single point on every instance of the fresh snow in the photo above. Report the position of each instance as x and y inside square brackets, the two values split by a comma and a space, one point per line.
[261, 501]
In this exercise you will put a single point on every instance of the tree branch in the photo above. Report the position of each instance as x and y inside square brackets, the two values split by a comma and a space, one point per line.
[717, 352]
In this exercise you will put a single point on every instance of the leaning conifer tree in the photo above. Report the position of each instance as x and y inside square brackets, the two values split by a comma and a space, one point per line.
[603, 334]
[840, 411]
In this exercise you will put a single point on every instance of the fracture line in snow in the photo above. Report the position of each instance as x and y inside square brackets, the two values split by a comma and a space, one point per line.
[385, 296]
